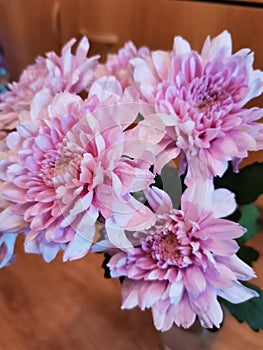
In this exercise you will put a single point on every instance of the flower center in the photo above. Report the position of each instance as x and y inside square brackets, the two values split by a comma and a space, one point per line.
[68, 161]
[48, 169]
[205, 91]
[57, 165]
[171, 247]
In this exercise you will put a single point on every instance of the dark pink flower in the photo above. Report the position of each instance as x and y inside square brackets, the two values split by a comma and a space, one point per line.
[203, 96]
[186, 260]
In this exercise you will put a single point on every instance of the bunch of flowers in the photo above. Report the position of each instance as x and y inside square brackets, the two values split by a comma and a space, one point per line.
[86, 144]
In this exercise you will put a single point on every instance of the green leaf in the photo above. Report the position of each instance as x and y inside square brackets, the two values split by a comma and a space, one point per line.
[158, 182]
[172, 184]
[249, 218]
[247, 184]
[170, 181]
[248, 254]
[250, 311]
[140, 196]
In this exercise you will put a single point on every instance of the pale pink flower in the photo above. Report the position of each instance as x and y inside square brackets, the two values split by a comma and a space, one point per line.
[73, 167]
[203, 96]
[186, 260]
[118, 65]
[21, 93]
[68, 72]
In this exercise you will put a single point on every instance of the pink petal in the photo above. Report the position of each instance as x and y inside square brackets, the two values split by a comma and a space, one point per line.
[194, 280]
[159, 200]
[184, 316]
[117, 235]
[130, 293]
[11, 222]
[159, 315]
[176, 292]
[161, 60]
[80, 245]
[196, 200]
[211, 48]
[181, 47]
[105, 87]
[223, 203]
[241, 269]
[151, 293]
[220, 246]
[237, 294]
[219, 229]
[145, 78]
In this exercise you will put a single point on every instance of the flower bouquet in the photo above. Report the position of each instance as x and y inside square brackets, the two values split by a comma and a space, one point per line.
[138, 158]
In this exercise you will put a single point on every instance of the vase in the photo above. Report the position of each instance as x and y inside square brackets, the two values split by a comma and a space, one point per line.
[194, 338]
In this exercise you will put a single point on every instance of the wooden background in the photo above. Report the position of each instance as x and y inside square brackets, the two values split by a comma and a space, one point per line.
[31, 27]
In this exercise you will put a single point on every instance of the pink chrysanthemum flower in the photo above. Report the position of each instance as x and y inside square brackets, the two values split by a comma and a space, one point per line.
[186, 260]
[68, 72]
[118, 65]
[76, 166]
[203, 96]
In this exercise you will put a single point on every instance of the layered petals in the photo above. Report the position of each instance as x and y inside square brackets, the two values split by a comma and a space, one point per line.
[205, 95]
[119, 65]
[73, 166]
[68, 72]
[185, 261]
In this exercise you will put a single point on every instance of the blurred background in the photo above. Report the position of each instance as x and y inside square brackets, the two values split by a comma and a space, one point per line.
[71, 306]
[32, 27]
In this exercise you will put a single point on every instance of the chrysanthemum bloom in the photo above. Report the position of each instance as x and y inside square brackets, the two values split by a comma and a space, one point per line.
[186, 260]
[118, 65]
[68, 72]
[74, 167]
[203, 96]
